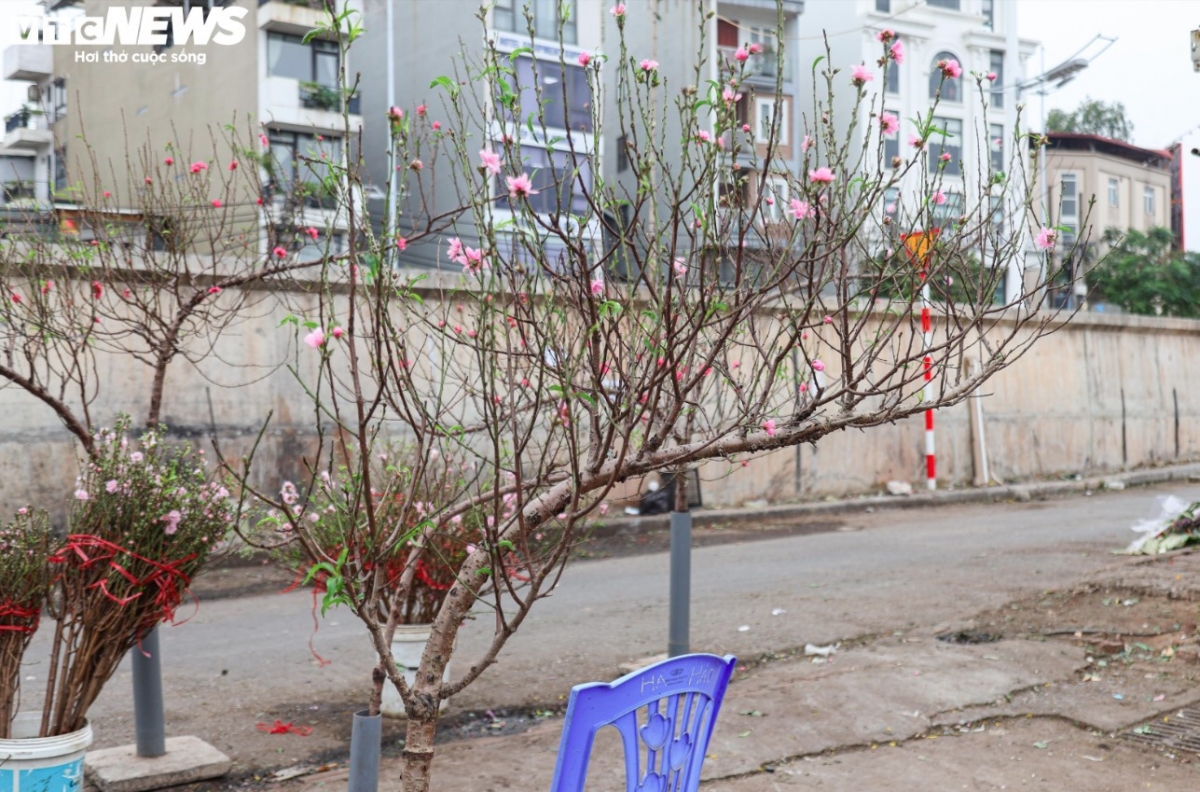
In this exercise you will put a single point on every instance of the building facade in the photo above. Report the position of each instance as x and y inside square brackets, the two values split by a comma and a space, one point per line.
[90, 121]
[1094, 184]
[978, 115]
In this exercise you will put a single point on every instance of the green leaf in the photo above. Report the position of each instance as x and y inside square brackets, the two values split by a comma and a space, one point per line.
[445, 83]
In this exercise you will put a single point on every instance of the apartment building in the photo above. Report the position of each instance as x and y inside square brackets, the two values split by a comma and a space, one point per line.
[89, 115]
[980, 119]
[430, 40]
[1094, 184]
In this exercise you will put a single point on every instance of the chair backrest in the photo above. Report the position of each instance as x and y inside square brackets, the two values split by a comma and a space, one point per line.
[671, 707]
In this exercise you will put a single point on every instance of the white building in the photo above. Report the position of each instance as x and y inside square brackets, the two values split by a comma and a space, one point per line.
[980, 125]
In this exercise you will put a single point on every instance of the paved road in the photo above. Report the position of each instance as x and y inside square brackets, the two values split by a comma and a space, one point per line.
[245, 660]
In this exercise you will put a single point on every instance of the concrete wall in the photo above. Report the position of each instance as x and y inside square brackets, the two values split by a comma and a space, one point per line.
[1103, 393]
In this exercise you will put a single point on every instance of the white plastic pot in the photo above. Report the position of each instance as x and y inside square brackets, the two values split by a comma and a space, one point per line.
[42, 764]
[408, 644]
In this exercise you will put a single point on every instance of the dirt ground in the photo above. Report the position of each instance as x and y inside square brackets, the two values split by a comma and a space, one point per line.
[1137, 626]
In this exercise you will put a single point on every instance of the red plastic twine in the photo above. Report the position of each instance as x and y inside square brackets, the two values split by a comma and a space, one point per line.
[18, 613]
[163, 582]
[318, 590]
[279, 727]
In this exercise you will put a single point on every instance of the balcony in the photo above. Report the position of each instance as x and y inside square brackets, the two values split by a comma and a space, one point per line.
[300, 106]
[28, 62]
[296, 17]
[761, 69]
[790, 7]
[27, 131]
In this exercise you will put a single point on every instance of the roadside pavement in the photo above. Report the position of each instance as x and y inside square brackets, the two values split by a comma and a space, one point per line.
[1010, 583]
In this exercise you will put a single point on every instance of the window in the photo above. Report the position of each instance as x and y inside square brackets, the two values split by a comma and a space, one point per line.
[953, 5]
[996, 146]
[561, 186]
[950, 143]
[951, 88]
[891, 202]
[553, 77]
[996, 64]
[1148, 200]
[946, 215]
[510, 15]
[316, 62]
[989, 14]
[891, 78]
[766, 119]
[58, 98]
[622, 154]
[297, 157]
[891, 147]
[996, 205]
[1068, 207]
[766, 63]
[883, 6]
[1114, 192]
[775, 199]
[60, 169]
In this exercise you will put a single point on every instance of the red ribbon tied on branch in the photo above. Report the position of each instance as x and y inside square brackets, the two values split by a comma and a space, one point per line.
[166, 583]
[18, 614]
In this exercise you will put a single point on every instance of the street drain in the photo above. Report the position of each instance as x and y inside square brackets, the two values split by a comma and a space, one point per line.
[969, 637]
[1180, 732]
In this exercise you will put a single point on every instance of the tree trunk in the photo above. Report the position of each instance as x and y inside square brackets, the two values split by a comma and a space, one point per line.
[418, 747]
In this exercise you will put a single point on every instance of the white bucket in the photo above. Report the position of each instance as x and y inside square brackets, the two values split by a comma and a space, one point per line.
[408, 644]
[42, 764]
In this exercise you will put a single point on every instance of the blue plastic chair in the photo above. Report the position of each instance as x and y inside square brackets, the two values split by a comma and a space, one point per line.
[671, 707]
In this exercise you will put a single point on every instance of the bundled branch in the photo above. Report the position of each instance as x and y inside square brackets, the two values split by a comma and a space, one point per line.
[24, 581]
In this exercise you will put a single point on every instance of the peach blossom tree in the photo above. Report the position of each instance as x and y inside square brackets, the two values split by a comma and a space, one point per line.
[586, 327]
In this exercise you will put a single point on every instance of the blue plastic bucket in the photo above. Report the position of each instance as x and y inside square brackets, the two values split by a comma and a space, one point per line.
[42, 764]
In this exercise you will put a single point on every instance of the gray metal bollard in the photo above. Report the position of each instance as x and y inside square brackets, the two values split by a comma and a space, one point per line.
[681, 583]
[148, 697]
[366, 743]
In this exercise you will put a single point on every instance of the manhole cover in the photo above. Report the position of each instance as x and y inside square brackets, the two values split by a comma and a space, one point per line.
[1181, 732]
[968, 637]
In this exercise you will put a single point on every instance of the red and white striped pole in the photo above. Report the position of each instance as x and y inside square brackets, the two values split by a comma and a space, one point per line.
[927, 389]
[918, 245]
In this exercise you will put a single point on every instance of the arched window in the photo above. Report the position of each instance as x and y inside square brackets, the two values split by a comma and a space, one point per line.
[952, 87]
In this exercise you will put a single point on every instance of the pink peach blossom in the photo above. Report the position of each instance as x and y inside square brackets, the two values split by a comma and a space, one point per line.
[802, 209]
[889, 124]
[860, 75]
[1046, 239]
[818, 365]
[648, 65]
[769, 427]
[821, 175]
[491, 161]
[520, 186]
[315, 339]
[897, 51]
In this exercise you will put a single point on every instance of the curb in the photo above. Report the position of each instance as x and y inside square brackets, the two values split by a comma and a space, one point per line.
[1015, 492]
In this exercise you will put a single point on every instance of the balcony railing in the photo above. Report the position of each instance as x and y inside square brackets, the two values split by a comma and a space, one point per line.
[24, 119]
[763, 67]
[321, 97]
